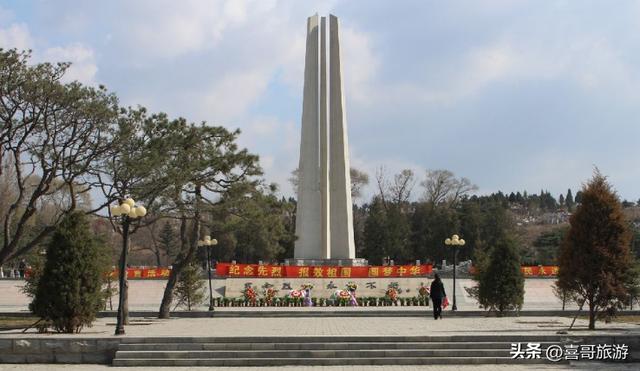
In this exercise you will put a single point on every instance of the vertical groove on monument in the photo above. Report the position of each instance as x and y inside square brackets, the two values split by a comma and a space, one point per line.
[324, 144]
[342, 240]
[308, 225]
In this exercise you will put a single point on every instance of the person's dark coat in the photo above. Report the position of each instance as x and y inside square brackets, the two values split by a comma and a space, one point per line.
[437, 290]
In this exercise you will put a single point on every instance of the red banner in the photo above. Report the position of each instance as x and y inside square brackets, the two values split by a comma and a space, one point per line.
[540, 270]
[275, 271]
[144, 273]
[534, 270]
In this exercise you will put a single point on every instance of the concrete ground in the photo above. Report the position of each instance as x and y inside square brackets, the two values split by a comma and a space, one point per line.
[147, 294]
[578, 366]
[341, 326]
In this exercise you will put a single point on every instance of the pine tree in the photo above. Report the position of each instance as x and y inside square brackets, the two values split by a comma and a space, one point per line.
[500, 281]
[69, 292]
[168, 240]
[189, 289]
[595, 257]
[375, 242]
[568, 200]
[578, 198]
[561, 200]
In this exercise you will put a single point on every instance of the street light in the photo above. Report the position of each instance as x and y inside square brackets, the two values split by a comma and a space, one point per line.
[128, 211]
[207, 243]
[454, 241]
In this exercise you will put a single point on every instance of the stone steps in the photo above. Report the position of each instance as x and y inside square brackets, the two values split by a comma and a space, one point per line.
[352, 353]
[311, 346]
[148, 362]
[323, 350]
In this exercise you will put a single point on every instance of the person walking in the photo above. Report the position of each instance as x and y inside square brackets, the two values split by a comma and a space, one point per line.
[437, 294]
[22, 268]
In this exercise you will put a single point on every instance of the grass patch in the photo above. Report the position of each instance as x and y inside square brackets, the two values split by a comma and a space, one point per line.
[620, 318]
[627, 319]
[12, 323]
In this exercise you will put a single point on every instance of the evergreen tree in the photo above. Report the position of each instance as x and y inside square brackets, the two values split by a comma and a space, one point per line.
[578, 198]
[69, 292]
[561, 200]
[168, 241]
[189, 290]
[547, 245]
[500, 280]
[595, 257]
[375, 239]
[568, 200]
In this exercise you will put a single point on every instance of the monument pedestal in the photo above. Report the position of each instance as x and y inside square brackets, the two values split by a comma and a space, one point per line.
[357, 262]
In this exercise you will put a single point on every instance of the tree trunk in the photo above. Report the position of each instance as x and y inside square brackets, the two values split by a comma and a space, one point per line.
[158, 262]
[592, 316]
[183, 258]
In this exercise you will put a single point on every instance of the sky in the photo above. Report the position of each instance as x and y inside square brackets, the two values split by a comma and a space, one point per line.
[514, 95]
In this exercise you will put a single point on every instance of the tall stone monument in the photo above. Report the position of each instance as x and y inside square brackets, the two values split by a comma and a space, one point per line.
[324, 222]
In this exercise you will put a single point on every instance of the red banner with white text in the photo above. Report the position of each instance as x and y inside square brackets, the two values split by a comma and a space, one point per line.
[534, 270]
[275, 271]
[144, 273]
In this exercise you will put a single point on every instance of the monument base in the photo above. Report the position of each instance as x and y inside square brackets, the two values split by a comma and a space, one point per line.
[357, 262]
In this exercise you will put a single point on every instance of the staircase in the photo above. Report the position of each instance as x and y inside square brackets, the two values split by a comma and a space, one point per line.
[324, 350]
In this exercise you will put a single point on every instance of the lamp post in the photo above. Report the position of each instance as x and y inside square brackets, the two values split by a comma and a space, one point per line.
[454, 241]
[207, 242]
[127, 211]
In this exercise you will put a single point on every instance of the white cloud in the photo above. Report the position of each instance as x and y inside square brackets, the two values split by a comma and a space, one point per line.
[229, 98]
[169, 29]
[16, 36]
[359, 63]
[83, 65]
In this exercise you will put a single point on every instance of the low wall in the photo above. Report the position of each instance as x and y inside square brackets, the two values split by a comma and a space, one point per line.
[58, 350]
[325, 287]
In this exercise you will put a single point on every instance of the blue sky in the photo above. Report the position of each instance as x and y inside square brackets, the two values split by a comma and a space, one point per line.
[514, 95]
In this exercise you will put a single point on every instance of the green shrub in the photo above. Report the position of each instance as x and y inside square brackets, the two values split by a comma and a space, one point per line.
[69, 292]
[189, 290]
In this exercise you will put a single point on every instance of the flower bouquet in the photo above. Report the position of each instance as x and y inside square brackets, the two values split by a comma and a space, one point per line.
[306, 290]
[344, 297]
[269, 294]
[295, 294]
[391, 294]
[250, 295]
[423, 291]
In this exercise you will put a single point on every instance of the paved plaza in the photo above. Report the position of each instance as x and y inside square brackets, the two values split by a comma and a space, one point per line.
[343, 326]
[146, 295]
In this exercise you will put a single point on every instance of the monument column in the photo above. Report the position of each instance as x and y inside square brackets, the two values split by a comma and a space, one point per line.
[308, 218]
[342, 240]
[324, 221]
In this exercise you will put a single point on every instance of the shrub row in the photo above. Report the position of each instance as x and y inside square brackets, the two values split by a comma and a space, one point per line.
[320, 302]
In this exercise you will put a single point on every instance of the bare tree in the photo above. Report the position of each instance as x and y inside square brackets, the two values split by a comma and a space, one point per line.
[398, 190]
[442, 187]
[359, 180]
